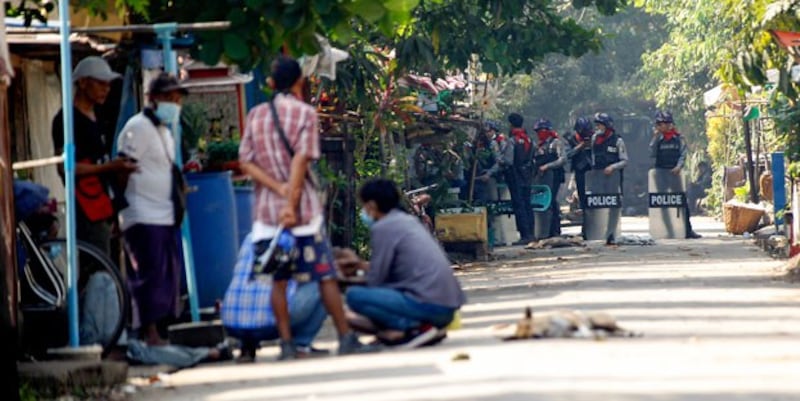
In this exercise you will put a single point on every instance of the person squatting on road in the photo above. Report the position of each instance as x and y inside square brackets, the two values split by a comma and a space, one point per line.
[518, 162]
[149, 222]
[410, 293]
[580, 155]
[94, 169]
[281, 140]
[550, 156]
[669, 149]
[247, 314]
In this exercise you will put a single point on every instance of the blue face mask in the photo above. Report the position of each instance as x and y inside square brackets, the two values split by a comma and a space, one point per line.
[168, 112]
[366, 219]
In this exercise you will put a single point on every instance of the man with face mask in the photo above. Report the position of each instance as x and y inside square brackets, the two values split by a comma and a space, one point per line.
[608, 149]
[411, 293]
[149, 223]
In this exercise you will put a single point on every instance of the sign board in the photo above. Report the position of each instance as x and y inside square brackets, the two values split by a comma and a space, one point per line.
[667, 199]
[603, 215]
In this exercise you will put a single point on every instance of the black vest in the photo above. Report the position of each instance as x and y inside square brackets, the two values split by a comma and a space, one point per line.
[606, 153]
[668, 153]
[582, 160]
[545, 153]
[523, 159]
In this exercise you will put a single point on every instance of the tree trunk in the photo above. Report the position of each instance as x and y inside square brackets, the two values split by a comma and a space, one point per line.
[748, 144]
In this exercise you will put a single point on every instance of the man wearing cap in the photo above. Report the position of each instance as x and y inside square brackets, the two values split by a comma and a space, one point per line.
[94, 170]
[280, 141]
[148, 223]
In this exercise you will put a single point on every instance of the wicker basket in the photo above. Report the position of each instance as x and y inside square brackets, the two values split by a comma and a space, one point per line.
[741, 218]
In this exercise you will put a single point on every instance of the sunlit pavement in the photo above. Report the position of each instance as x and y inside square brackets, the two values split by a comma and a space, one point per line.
[718, 324]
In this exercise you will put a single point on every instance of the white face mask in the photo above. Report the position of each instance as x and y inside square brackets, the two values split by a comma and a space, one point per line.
[168, 112]
[599, 131]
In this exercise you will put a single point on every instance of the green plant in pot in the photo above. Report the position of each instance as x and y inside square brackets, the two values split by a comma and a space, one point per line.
[223, 156]
[194, 125]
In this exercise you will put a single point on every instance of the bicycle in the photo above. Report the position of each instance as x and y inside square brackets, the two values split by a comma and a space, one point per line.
[42, 264]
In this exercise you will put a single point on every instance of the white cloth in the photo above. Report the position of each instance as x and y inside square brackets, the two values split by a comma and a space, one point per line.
[43, 91]
[263, 231]
[149, 191]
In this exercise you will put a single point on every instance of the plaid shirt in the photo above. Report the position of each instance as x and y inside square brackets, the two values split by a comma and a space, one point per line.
[262, 146]
[247, 302]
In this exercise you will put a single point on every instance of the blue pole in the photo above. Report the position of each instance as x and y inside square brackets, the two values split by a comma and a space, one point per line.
[778, 186]
[69, 173]
[165, 35]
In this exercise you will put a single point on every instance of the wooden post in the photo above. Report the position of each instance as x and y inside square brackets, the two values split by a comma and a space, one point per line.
[8, 261]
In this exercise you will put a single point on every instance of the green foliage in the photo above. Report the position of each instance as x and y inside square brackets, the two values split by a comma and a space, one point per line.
[30, 10]
[219, 152]
[28, 393]
[194, 124]
[260, 29]
[563, 88]
[509, 35]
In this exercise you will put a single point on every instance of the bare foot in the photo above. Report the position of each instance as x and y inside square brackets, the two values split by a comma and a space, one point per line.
[214, 354]
[390, 336]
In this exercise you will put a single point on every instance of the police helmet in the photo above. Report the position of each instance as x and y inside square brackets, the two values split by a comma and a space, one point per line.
[664, 117]
[492, 125]
[583, 126]
[542, 123]
[605, 119]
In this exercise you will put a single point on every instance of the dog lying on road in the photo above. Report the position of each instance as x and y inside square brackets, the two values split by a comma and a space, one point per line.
[568, 324]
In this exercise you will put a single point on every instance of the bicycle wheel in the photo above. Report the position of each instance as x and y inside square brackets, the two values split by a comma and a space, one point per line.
[92, 261]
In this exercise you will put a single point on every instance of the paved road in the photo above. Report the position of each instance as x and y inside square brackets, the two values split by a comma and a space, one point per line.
[718, 324]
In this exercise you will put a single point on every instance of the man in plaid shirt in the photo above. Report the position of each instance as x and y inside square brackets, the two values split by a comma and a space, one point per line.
[276, 151]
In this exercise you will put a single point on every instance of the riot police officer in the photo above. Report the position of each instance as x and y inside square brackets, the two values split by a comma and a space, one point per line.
[580, 155]
[669, 149]
[608, 149]
[518, 157]
[550, 156]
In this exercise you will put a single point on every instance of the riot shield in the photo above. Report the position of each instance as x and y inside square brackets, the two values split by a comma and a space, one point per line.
[542, 217]
[667, 198]
[603, 215]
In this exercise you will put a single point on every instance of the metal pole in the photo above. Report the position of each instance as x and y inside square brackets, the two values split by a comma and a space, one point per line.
[69, 173]
[778, 187]
[165, 34]
[197, 26]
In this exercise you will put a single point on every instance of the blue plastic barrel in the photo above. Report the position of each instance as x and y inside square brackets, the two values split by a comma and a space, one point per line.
[244, 211]
[212, 212]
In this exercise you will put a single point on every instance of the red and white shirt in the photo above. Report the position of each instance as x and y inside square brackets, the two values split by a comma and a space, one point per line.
[261, 145]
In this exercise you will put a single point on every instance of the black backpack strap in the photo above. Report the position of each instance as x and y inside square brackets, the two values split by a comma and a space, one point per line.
[279, 128]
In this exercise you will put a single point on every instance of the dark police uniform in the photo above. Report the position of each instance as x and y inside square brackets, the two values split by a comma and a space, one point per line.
[518, 176]
[581, 162]
[670, 154]
[551, 154]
